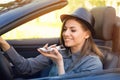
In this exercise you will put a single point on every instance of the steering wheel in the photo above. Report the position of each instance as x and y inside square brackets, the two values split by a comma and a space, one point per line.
[5, 68]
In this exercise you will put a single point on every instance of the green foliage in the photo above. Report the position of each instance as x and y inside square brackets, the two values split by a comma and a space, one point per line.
[97, 2]
[74, 4]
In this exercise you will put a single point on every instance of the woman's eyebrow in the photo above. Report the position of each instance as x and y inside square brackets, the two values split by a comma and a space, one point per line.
[72, 26]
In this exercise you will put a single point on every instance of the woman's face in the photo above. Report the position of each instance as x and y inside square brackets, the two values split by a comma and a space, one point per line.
[73, 34]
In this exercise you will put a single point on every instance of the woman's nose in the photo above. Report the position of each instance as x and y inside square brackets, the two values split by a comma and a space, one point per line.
[67, 32]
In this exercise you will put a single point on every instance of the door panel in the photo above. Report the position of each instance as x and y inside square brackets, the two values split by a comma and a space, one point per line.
[28, 47]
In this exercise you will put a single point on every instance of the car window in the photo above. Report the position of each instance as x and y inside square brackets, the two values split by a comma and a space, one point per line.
[49, 25]
[41, 27]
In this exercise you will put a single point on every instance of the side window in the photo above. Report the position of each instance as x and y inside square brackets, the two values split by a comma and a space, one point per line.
[46, 26]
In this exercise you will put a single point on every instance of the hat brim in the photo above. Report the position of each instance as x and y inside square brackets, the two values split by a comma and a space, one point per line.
[64, 16]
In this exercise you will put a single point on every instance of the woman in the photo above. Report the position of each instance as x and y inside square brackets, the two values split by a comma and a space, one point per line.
[80, 55]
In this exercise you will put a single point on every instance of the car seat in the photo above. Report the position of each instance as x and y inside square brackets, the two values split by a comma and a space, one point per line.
[107, 35]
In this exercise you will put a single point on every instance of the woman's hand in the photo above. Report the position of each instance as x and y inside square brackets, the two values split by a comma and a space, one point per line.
[3, 44]
[55, 56]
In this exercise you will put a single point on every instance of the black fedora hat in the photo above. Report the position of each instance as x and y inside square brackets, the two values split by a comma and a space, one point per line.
[84, 16]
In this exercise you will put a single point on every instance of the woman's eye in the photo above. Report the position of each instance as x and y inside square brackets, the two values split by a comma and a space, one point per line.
[64, 29]
[73, 30]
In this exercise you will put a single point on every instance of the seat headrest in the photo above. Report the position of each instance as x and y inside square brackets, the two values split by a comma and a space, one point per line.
[105, 18]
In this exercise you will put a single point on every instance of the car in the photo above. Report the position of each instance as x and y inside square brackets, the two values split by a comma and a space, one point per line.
[107, 26]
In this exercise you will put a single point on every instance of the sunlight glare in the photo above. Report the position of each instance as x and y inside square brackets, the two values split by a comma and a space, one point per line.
[5, 1]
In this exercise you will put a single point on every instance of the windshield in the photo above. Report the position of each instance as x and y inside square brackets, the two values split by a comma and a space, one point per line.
[12, 4]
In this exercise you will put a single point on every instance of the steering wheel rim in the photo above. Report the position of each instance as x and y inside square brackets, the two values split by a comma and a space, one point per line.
[5, 68]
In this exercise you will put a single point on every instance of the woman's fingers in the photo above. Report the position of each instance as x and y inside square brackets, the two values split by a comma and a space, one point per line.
[46, 46]
[43, 53]
[54, 53]
[52, 46]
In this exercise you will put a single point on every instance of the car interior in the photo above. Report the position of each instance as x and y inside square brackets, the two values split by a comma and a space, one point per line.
[107, 28]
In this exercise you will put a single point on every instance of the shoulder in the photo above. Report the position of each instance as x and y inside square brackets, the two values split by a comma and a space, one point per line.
[89, 63]
[92, 62]
[91, 58]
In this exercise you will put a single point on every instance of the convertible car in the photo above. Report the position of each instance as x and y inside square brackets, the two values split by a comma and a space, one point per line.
[107, 37]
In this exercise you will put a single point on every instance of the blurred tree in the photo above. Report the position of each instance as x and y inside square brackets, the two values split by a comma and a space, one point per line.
[97, 2]
[74, 4]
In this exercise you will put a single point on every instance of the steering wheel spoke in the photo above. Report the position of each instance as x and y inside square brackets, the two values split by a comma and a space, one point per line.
[5, 68]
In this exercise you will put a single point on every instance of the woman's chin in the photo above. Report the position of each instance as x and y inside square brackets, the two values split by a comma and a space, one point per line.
[67, 45]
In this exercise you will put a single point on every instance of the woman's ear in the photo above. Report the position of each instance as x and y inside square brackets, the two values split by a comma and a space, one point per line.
[87, 35]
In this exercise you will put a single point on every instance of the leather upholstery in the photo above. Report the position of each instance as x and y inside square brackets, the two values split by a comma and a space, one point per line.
[116, 37]
[107, 28]
[105, 18]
